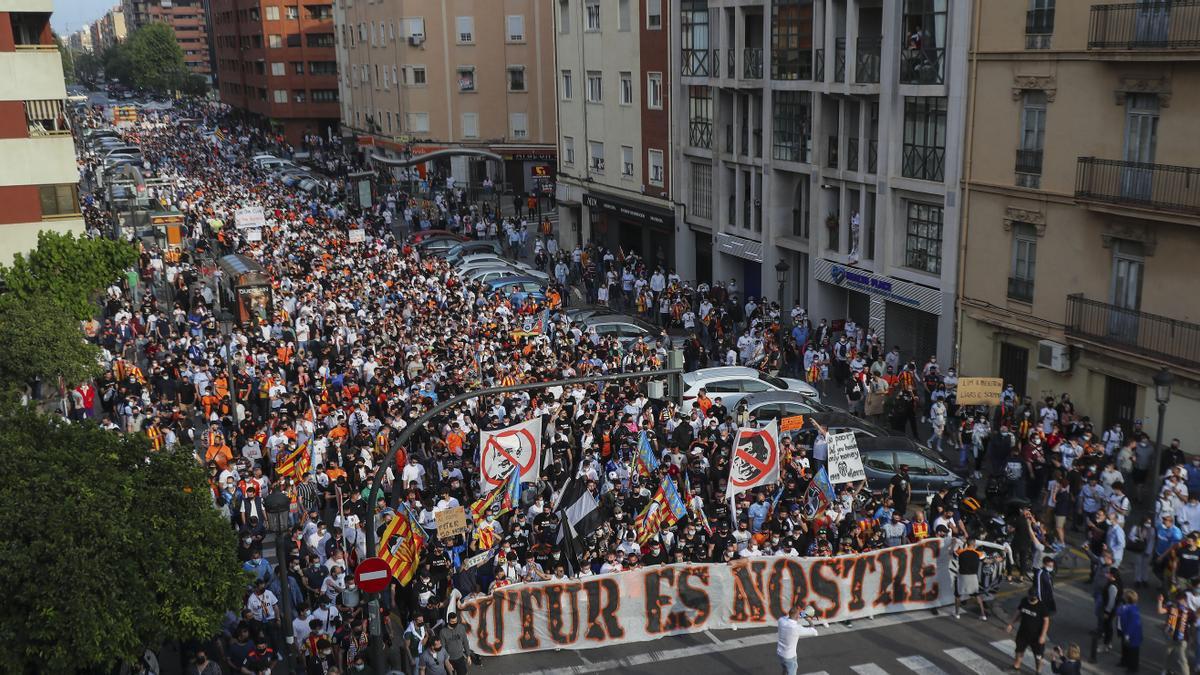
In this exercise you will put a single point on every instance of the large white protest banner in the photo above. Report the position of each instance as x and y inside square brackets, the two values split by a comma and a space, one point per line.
[653, 602]
[845, 464]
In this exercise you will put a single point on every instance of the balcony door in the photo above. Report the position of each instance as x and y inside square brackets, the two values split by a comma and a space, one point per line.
[1153, 23]
[1141, 137]
[1126, 294]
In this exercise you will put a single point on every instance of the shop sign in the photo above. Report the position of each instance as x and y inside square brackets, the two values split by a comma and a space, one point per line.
[924, 298]
[629, 211]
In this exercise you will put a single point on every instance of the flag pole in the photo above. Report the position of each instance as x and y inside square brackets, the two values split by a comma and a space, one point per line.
[673, 375]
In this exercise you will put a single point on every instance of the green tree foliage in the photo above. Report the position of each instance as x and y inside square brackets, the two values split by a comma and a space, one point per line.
[68, 60]
[109, 548]
[117, 63]
[39, 339]
[67, 271]
[156, 59]
[88, 66]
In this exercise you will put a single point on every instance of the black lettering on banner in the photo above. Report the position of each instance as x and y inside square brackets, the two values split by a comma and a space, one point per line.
[920, 572]
[655, 600]
[694, 598]
[775, 588]
[554, 613]
[825, 587]
[899, 589]
[483, 641]
[602, 614]
[862, 565]
[530, 595]
[748, 604]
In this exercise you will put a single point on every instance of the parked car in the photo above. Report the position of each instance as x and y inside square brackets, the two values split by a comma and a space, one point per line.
[466, 248]
[628, 329]
[418, 237]
[839, 421]
[517, 284]
[581, 313]
[733, 383]
[883, 456]
[774, 405]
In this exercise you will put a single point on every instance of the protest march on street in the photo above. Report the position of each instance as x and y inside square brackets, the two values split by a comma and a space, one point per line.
[597, 512]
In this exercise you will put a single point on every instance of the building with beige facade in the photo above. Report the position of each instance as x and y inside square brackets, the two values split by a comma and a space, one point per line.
[422, 75]
[109, 29]
[615, 135]
[1082, 207]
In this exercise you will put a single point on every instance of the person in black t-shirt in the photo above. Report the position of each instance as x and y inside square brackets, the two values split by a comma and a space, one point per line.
[1031, 633]
[966, 584]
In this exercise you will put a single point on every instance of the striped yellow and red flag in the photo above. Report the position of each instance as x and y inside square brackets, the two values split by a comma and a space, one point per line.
[485, 538]
[296, 464]
[402, 556]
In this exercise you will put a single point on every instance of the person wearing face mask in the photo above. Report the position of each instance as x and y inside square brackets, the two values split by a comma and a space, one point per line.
[1043, 585]
[201, 665]
[453, 636]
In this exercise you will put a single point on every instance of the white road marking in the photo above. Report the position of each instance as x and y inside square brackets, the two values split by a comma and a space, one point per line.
[922, 665]
[712, 637]
[818, 672]
[759, 640]
[869, 669]
[972, 661]
[1009, 648]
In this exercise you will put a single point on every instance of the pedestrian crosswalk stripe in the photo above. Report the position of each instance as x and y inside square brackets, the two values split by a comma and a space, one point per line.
[1009, 648]
[972, 661]
[818, 672]
[920, 664]
[868, 669]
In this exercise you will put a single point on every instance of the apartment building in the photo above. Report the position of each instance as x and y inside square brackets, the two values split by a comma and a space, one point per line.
[189, 20]
[38, 177]
[80, 42]
[614, 128]
[424, 75]
[277, 59]
[822, 155]
[108, 29]
[1083, 206]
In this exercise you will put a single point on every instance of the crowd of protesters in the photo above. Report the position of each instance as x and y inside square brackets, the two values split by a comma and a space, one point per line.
[360, 339]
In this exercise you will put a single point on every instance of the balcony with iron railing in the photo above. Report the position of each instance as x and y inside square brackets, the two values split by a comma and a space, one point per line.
[1029, 161]
[730, 63]
[752, 63]
[818, 65]
[1158, 187]
[923, 66]
[1154, 25]
[832, 147]
[1020, 290]
[696, 62]
[873, 156]
[1152, 335]
[839, 60]
[866, 62]
[852, 154]
[700, 133]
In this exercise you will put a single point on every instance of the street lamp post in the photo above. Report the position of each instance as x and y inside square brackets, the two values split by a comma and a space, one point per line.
[374, 493]
[226, 321]
[781, 272]
[278, 508]
[1162, 393]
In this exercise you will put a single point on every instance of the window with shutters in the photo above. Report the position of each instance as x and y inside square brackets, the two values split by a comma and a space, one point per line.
[518, 125]
[626, 161]
[418, 122]
[281, 96]
[654, 14]
[271, 13]
[626, 88]
[654, 90]
[591, 19]
[596, 155]
[466, 29]
[568, 150]
[278, 68]
[567, 85]
[516, 28]
[595, 87]
[516, 78]
[59, 200]
[470, 125]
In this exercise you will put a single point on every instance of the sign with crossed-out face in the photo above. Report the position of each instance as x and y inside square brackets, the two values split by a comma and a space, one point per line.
[755, 459]
[504, 449]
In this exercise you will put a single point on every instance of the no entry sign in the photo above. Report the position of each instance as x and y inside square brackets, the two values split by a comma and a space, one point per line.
[372, 575]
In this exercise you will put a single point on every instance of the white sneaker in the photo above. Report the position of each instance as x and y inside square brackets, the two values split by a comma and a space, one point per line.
[957, 615]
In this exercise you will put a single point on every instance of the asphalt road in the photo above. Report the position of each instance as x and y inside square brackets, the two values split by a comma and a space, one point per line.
[918, 642]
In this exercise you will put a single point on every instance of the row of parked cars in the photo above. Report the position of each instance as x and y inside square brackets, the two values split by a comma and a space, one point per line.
[292, 174]
[767, 397]
[115, 151]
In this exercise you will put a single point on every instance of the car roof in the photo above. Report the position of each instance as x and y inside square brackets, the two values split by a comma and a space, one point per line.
[603, 319]
[514, 279]
[841, 418]
[719, 372]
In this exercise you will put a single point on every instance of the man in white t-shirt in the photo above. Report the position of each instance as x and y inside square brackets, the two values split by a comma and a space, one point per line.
[790, 632]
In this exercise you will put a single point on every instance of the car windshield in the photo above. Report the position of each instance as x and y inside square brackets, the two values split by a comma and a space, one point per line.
[773, 381]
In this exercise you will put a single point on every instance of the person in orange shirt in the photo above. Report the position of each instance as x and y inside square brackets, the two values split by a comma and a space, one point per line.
[704, 402]
[219, 453]
[455, 440]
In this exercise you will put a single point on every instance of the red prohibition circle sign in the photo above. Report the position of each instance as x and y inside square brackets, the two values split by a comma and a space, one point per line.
[506, 449]
[753, 457]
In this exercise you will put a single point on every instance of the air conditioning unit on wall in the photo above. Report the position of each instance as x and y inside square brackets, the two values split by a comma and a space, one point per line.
[1054, 356]
[416, 39]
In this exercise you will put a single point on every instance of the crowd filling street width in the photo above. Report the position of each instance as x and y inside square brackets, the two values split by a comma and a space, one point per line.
[305, 386]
